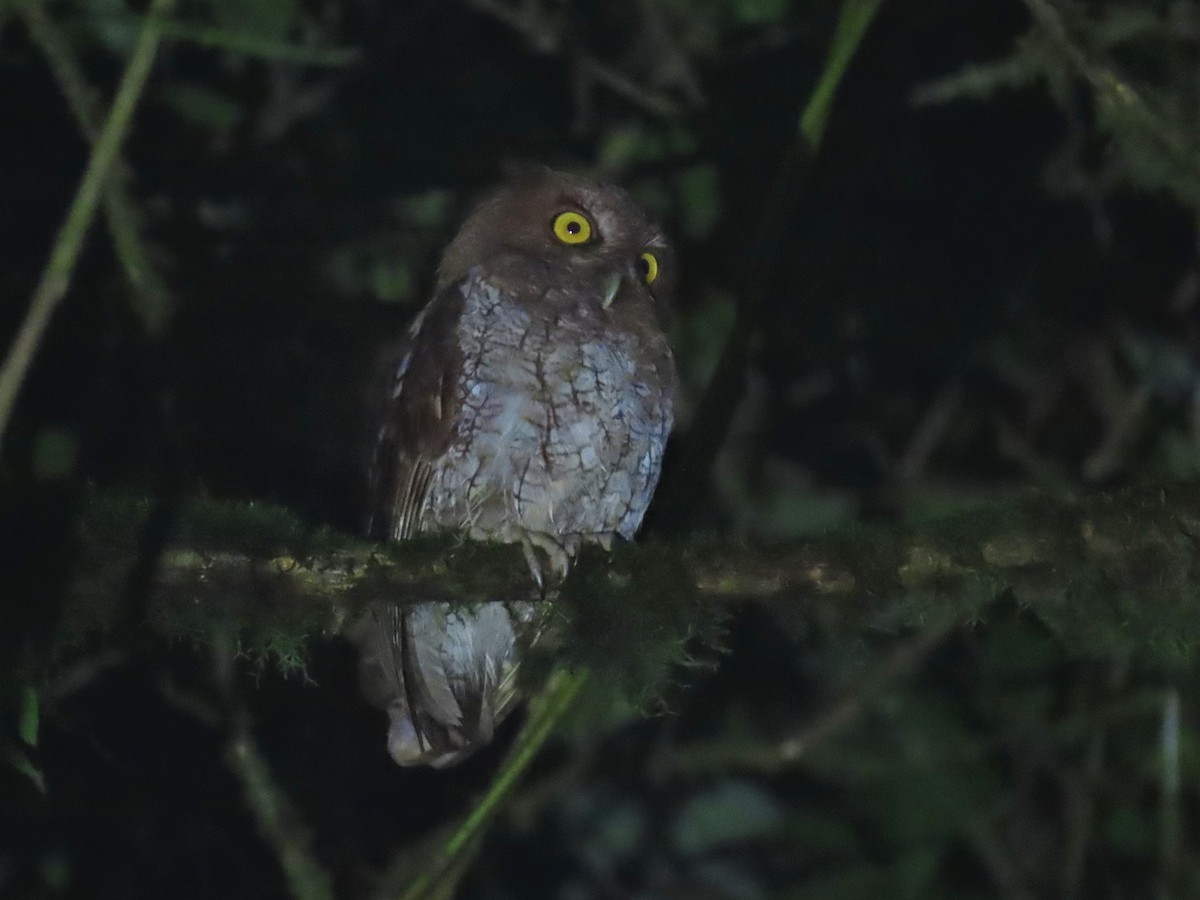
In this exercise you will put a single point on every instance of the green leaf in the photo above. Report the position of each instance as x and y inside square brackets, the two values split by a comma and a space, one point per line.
[391, 280]
[29, 723]
[818, 832]
[979, 82]
[759, 12]
[913, 874]
[428, 211]
[618, 831]
[1130, 830]
[730, 812]
[271, 19]
[855, 18]
[264, 47]
[55, 453]
[55, 868]
[203, 106]
[700, 201]
[845, 884]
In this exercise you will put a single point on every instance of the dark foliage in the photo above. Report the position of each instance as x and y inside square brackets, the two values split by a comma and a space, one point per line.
[983, 278]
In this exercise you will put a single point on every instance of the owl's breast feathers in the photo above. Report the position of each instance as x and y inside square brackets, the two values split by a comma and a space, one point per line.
[512, 415]
[538, 417]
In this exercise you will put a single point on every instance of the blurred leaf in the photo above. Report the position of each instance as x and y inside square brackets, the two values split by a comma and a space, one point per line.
[732, 811]
[1123, 22]
[917, 807]
[730, 879]
[818, 832]
[618, 830]
[108, 22]
[111, 24]
[914, 873]
[391, 280]
[204, 106]
[789, 508]
[701, 204]
[978, 82]
[599, 709]
[382, 266]
[428, 211]
[262, 18]
[621, 147]
[854, 19]
[846, 884]
[29, 722]
[258, 45]
[55, 868]
[21, 763]
[698, 336]
[55, 454]
[1015, 647]
[759, 12]
[1178, 455]
[625, 146]
[1024, 709]
[1130, 830]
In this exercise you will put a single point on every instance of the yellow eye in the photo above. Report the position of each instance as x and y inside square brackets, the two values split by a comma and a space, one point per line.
[572, 228]
[648, 263]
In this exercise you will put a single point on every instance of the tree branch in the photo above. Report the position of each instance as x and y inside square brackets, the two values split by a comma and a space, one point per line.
[1112, 574]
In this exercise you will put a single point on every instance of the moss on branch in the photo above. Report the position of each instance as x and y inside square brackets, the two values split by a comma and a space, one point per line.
[1113, 575]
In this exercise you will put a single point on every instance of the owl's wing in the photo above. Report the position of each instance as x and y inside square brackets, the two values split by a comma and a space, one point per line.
[416, 418]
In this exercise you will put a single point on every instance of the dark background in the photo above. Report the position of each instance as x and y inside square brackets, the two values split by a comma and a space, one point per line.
[968, 297]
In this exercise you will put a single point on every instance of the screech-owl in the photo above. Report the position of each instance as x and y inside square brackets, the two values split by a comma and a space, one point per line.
[531, 404]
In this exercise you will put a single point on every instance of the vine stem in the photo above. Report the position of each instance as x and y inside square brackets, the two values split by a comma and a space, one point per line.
[56, 277]
[438, 879]
[727, 385]
[149, 298]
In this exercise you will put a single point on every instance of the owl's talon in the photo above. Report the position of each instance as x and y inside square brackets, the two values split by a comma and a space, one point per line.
[560, 554]
[535, 565]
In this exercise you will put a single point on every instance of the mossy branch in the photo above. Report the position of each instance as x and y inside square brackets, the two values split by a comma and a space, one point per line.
[1115, 575]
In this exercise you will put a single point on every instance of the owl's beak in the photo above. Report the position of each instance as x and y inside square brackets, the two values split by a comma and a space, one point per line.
[612, 287]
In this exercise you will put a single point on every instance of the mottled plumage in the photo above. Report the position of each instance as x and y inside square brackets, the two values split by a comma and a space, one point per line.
[531, 404]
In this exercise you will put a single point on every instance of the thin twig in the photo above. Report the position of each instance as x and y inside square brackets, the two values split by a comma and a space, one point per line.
[56, 277]
[546, 41]
[773, 756]
[439, 878]
[727, 385]
[278, 822]
[648, 100]
[996, 861]
[1079, 812]
[150, 299]
[1113, 90]
[533, 28]
[929, 433]
[1169, 841]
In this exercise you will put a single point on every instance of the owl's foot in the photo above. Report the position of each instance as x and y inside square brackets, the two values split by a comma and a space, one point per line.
[560, 553]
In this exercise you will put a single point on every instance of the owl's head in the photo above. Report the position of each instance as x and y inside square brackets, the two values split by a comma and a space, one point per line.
[574, 229]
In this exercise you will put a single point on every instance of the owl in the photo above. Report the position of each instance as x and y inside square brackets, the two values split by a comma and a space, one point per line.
[530, 404]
